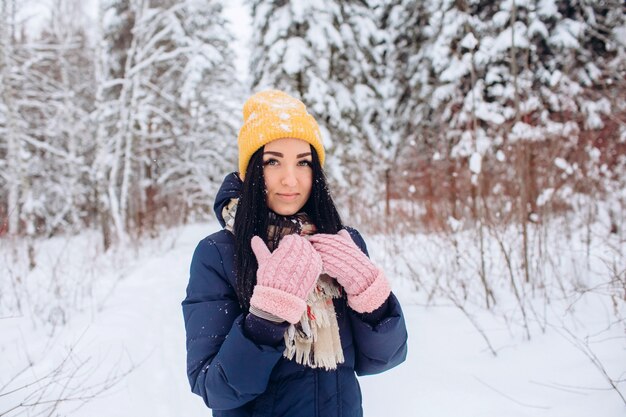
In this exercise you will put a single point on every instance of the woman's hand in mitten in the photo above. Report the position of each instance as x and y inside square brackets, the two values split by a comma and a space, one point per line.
[285, 277]
[365, 284]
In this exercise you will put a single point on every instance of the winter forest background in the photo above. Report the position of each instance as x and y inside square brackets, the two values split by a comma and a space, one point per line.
[480, 146]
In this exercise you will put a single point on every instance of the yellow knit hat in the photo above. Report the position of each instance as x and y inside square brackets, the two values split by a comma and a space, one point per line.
[270, 115]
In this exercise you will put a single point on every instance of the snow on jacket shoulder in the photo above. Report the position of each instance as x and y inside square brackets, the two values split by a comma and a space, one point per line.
[237, 377]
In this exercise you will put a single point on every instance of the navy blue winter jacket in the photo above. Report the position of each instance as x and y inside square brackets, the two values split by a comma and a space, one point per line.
[235, 376]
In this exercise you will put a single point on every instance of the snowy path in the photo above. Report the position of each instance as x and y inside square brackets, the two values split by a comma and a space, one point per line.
[448, 373]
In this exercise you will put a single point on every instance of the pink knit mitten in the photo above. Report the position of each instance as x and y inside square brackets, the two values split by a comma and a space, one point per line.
[365, 284]
[285, 277]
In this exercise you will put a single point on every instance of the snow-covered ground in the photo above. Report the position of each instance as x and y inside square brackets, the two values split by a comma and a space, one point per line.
[125, 316]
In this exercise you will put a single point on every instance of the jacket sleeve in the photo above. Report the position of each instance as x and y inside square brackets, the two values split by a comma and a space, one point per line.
[216, 340]
[382, 345]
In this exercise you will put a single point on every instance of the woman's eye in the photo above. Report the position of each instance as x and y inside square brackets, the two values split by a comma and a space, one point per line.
[304, 163]
[270, 162]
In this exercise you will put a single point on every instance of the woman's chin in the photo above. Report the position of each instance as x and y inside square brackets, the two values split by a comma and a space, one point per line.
[285, 210]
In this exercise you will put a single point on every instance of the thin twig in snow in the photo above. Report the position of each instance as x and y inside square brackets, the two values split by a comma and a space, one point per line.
[541, 407]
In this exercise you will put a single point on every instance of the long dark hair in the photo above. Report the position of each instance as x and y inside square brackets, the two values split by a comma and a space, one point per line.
[253, 218]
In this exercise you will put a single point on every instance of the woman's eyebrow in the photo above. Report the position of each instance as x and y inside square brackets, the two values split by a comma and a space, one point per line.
[300, 155]
[273, 153]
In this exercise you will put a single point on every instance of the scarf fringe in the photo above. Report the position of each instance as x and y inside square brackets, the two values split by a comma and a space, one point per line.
[315, 341]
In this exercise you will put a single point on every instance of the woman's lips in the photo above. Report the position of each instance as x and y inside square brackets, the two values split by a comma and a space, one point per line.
[287, 197]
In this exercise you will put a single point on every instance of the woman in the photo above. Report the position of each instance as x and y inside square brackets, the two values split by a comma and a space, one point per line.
[283, 306]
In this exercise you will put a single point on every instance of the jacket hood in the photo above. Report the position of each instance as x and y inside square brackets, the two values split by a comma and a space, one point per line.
[231, 188]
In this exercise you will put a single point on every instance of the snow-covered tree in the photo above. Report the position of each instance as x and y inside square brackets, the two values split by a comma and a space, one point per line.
[47, 98]
[66, 75]
[116, 21]
[207, 109]
[484, 80]
[329, 54]
[170, 121]
[10, 145]
[405, 23]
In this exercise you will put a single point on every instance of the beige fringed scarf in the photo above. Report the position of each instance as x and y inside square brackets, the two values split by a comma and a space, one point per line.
[314, 341]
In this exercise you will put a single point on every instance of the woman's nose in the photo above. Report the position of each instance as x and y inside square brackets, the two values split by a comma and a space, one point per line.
[289, 178]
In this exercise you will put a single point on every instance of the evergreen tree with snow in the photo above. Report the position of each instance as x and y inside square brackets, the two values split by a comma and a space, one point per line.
[482, 79]
[405, 24]
[329, 54]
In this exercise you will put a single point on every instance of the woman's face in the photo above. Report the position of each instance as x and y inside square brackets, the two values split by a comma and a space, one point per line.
[288, 175]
